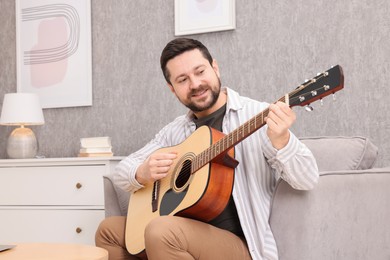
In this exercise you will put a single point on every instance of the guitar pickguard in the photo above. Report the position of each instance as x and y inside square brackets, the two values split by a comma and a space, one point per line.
[170, 201]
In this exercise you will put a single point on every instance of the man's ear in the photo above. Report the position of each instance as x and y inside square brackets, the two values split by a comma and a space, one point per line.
[215, 67]
[171, 88]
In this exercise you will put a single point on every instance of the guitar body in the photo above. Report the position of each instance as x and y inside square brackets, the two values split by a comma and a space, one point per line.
[202, 195]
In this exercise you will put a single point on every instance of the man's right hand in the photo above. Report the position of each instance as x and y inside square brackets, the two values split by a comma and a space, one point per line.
[155, 167]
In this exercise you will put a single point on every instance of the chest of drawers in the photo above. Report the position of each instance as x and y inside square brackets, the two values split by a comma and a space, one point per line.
[52, 200]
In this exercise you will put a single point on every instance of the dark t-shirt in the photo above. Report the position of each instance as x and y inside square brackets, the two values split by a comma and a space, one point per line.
[228, 219]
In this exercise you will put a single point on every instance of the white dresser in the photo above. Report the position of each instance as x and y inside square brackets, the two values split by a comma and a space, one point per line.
[53, 199]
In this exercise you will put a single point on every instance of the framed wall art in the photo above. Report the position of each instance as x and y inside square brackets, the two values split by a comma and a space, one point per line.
[201, 16]
[53, 39]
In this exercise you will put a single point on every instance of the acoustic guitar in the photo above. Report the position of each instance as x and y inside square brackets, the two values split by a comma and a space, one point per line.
[200, 181]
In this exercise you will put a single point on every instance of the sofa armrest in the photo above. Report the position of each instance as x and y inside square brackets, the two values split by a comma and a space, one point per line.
[345, 217]
[115, 200]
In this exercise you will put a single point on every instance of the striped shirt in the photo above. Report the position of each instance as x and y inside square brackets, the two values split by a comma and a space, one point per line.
[260, 166]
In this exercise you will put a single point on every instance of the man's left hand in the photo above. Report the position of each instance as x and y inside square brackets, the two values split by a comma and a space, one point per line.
[279, 120]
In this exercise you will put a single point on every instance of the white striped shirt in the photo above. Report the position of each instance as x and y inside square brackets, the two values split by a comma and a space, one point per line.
[260, 166]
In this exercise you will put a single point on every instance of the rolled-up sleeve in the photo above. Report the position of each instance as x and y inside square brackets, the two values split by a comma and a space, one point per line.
[294, 163]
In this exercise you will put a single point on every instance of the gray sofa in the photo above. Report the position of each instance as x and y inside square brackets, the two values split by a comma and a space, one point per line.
[347, 216]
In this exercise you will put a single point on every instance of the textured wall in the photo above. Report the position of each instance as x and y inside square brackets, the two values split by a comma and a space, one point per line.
[277, 44]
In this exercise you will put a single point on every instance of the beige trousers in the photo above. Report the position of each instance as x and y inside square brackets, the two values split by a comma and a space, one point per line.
[172, 237]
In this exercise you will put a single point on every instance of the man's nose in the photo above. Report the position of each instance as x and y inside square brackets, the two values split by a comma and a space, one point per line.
[195, 82]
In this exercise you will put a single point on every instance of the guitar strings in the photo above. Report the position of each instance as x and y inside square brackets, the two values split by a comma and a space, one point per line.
[241, 129]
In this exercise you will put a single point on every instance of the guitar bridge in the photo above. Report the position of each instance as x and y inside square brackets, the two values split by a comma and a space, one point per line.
[156, 191]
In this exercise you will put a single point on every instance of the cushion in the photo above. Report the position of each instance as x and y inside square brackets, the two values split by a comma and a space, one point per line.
[335, 153]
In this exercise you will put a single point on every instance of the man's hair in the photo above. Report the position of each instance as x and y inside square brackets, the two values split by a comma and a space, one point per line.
[177, 47]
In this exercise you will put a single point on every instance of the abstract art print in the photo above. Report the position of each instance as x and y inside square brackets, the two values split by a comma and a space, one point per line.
[54, 51]
[200, 16]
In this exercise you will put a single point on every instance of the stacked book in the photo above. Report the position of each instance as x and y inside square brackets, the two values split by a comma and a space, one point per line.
[95, 146]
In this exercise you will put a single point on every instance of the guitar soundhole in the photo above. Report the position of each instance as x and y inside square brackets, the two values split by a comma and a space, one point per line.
[182, 179]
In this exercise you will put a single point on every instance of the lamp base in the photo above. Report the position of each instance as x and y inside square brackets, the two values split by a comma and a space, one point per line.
[22, 144]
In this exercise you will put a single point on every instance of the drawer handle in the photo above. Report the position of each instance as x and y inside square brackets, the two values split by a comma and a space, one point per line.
[78, 230]
[79, 185]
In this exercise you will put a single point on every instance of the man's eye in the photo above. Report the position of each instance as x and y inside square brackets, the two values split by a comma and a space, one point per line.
[182, 80]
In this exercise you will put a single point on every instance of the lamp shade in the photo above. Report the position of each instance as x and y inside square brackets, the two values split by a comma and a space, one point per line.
[21, 109]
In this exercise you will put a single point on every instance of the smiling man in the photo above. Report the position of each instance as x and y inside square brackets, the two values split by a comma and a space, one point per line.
[241, 230]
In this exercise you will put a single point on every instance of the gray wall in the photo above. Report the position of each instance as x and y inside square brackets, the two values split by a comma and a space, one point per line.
[277, 44]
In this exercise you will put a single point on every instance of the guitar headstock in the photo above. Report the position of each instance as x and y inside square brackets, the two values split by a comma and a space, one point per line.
[322, 85]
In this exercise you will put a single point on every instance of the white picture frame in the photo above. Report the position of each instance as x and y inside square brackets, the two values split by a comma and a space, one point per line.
[201, 16]
[53, 45]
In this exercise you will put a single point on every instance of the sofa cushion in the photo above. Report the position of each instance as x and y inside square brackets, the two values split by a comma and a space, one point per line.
[334, 153]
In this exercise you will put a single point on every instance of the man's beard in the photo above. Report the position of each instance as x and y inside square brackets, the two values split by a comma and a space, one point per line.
[214, 97]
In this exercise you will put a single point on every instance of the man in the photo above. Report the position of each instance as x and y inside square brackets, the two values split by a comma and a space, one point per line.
[242, 230]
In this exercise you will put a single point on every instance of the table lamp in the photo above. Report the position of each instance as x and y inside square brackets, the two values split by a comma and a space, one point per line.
[21, 109]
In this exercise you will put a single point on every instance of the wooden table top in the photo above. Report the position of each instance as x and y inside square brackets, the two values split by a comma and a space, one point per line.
[50, 251]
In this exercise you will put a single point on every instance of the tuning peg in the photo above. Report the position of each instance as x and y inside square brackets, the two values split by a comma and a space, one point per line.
[334, 96]
[321, 102]
[308, 108]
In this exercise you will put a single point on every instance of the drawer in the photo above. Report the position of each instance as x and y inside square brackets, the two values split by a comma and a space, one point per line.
[46, 225]
[52, 185]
